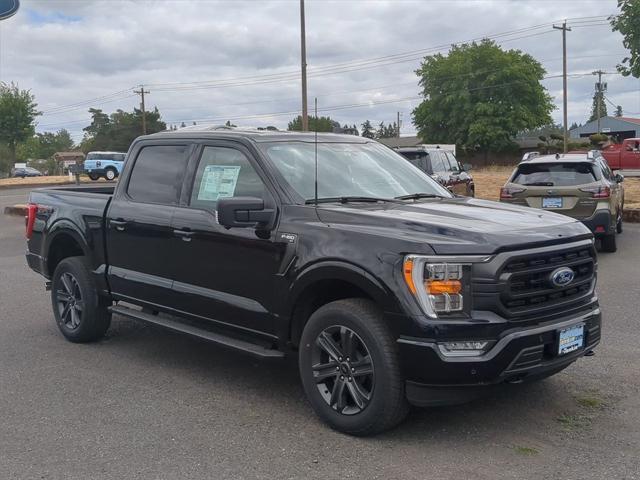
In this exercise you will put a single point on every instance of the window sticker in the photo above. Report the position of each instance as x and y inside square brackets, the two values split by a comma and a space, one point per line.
[218, 181]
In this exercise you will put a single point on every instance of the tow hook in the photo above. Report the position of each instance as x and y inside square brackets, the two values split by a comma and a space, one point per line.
[590, 353]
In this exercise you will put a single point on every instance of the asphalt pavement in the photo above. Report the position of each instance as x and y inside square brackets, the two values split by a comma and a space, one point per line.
[148, 404]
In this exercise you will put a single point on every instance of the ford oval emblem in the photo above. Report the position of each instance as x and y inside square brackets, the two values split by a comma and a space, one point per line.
[8, 8]
[562, 277]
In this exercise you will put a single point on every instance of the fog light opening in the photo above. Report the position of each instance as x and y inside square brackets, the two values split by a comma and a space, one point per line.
[471, 348]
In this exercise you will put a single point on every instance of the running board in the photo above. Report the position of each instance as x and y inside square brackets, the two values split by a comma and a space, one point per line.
[176, 326]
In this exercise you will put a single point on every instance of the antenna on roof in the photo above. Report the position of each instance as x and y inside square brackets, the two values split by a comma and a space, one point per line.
[315, 146]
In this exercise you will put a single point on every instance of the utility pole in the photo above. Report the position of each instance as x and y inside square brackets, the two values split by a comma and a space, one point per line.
[303, 63]
[564, 29]
[398, 126]
[600, 89]
[141, 92]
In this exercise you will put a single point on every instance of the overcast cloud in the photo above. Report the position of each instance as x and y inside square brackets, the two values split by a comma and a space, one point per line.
[69, 51]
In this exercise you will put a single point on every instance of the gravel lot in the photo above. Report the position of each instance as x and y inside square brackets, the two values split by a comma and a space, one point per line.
[145, 403]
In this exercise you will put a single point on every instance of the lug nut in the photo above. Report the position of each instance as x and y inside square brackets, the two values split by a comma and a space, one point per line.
[353, 369]
[337, 369]
[341, 377]
[340, 358]
[350, 378]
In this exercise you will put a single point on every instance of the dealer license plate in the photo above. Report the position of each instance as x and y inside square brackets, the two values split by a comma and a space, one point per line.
[571, 339]
[552, 202]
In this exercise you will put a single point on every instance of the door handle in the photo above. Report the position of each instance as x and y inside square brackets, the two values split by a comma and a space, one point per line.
[118, 224]
[185, 235]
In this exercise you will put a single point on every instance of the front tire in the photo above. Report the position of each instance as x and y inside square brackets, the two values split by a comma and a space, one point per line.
[80, 313]
[350, 369]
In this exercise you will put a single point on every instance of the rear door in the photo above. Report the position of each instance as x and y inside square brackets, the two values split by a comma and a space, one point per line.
[226, 276]
[138, 224]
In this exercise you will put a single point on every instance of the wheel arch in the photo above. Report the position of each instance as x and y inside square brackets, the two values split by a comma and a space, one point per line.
[330, 281]
[64, 241]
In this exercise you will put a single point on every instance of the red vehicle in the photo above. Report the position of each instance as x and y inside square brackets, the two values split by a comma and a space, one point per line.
[623, 156]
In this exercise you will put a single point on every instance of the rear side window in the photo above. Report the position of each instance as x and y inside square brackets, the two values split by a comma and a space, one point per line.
[554, 174]
[157, 174]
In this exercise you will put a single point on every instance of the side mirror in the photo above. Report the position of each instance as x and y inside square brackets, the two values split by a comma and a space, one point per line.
[467, 167]
[618, 177]
[244, 212]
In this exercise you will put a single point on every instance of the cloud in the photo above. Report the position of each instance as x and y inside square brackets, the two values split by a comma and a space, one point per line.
[70, 51]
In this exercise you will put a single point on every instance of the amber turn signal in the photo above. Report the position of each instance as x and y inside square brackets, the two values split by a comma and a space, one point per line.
[439, 287]
[407, 269]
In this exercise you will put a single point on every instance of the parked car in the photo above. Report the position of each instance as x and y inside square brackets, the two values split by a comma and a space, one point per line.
[443, 166]
[23, 172]
[581, 186]
[104, 164]
[623, 156]
[389, 289]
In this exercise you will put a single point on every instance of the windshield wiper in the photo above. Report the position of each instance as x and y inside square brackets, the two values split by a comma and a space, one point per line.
[539, 184]
[347, 199]
[415, 196]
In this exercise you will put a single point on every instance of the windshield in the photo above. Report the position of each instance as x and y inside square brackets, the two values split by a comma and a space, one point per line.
[554, 174]
[349, 170]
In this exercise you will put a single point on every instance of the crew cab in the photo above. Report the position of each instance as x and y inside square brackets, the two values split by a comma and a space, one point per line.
[389, 289]
[623, 156]
[104, 164]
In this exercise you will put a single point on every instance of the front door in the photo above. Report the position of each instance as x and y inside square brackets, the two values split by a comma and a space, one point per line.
[138, 226]
[225, 275]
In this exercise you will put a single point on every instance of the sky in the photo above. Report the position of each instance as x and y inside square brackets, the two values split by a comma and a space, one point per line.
[209, 61]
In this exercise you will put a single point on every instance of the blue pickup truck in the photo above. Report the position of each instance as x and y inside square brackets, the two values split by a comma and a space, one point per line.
[104, 164]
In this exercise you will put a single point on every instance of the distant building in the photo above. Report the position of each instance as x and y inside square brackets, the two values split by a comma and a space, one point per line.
[620, 127]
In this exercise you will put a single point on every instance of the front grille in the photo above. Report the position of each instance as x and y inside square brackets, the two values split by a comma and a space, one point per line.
[522, 288]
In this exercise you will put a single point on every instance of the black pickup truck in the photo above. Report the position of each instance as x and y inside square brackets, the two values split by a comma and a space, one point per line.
[390, 290]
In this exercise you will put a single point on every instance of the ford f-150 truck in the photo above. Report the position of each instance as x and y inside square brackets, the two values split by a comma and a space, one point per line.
[389, 289]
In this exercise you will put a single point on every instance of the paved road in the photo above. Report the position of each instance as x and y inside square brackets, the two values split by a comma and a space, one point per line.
[149, 404]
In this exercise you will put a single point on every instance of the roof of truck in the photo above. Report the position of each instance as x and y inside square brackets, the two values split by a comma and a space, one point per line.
[255, 134]
[563, 158]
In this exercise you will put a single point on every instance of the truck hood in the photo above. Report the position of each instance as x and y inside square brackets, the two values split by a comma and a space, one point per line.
[456, 225]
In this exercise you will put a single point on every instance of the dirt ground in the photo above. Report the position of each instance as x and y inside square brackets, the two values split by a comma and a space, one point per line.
[489, 180]
[50, 180]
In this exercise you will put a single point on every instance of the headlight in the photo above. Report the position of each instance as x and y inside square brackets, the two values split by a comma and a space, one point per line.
[440, 284]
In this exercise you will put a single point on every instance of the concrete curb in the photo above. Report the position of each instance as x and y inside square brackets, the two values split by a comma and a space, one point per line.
[631, 215]
[17, 210]
[36, 185]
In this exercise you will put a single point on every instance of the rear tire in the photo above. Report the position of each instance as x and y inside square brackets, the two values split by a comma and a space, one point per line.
[80, 313]
[608, 243]
[619, 226]
[93, 176]
[358, 388]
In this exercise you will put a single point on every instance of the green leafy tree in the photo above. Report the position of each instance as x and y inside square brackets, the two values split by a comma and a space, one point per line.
[628, 24]
[597, 99]
[480, 96]
[367, 130]
[618, 112]
[18, 111]
[118, 130]
[324, 124]
[45, 145]
[381, 132]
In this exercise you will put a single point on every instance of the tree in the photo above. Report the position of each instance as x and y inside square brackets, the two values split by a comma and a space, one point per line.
[45, 145]
[628, 24]
[480, 96]
[324, 124]
[367, 130]
[597, 99]
[618, 112]
[118, 130]
[18, 111]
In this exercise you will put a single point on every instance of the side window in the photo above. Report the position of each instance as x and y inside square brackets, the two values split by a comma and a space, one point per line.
[222, 173]
[157, 174]
[453, 163]
[606, 172]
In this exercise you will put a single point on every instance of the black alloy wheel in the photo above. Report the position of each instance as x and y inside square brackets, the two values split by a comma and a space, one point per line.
[343, 370]
[69, 301]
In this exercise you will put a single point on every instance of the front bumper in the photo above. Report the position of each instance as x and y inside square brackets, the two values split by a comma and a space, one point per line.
[519, 354]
